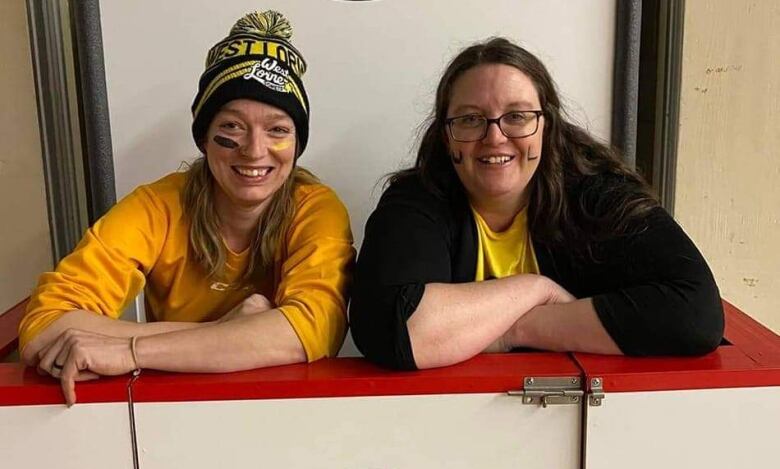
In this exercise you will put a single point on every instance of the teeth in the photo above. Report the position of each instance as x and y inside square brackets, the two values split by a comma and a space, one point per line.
[496, 159]
[253, 172]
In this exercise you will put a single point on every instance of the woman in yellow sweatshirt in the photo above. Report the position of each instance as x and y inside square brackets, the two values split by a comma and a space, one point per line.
[245, 258]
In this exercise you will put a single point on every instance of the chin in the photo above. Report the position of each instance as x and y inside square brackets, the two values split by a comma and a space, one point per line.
[502, 191]
[252, 200]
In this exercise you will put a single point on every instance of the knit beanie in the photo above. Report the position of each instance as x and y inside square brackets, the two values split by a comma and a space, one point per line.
[255, 61]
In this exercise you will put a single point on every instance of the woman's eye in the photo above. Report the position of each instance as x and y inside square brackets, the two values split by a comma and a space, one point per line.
[230, 126]
[516, 117]
[280, 131]
[470, 121]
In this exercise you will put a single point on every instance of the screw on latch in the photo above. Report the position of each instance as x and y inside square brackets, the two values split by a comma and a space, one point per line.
[529, 381]
[575, 398]
[595, 382]
[575, 380]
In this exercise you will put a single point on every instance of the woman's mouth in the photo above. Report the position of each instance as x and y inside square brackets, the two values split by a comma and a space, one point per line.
[496, 160]
[252, 173]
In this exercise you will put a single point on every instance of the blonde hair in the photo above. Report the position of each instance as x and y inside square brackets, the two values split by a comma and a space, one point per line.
[205, 239]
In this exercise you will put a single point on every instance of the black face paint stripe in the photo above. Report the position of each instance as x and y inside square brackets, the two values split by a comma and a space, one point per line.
[457, 159]
[225, 142]
[528, 156]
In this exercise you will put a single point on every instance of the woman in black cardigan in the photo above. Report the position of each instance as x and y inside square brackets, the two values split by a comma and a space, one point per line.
[593, 264]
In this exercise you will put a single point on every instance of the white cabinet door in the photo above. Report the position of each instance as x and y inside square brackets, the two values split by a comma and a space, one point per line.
[84, 436]
[421, 431]
[712, 428]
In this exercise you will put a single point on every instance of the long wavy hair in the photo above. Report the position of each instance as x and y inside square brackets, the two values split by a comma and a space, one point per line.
[205, 237]
[569, 154]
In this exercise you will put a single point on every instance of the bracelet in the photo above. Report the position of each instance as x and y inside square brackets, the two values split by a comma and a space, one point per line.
[132, 351]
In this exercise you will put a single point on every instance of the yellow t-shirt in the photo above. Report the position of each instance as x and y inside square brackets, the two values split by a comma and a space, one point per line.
[506, 253]
[143, 242]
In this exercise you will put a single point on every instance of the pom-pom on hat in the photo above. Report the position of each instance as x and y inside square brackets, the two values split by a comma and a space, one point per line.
[255, 61]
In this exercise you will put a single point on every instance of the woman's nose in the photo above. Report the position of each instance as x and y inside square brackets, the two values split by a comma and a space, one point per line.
[493, 134]
[256, 145]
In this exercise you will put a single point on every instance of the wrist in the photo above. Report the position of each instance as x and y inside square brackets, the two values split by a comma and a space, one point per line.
[134, 352]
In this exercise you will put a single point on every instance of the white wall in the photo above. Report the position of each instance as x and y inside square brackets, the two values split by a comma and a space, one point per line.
[728, 167]
[373, 69]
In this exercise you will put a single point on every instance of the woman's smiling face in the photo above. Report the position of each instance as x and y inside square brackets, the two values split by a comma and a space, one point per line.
[250, 149]
[495, 168]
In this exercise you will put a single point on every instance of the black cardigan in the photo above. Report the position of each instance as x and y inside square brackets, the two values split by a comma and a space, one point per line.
[652, 291]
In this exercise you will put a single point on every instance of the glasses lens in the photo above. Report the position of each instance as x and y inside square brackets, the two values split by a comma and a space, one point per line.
[519, 124]
[468, 128]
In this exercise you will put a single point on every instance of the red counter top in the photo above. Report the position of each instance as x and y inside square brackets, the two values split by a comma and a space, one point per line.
[24, 386]
[752, 359]
[338, 377]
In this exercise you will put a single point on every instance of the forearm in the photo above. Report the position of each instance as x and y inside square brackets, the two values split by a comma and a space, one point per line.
[454, 322]
[564, 327]
[252, 341]
[92, 322]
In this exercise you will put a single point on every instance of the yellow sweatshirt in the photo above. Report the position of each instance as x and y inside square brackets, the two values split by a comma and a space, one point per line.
[143, 241]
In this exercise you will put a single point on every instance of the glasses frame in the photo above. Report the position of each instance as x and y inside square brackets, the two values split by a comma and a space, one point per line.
[497, 120]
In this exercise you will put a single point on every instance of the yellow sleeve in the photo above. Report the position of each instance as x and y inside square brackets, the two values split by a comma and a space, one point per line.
[317, 272]
[106, 270]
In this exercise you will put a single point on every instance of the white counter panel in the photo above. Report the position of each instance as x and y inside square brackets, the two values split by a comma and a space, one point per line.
[712, 428]
[452, 431]
[53, 436]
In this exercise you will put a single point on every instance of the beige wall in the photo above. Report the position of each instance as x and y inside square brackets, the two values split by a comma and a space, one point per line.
[25, 246]
[728, 171]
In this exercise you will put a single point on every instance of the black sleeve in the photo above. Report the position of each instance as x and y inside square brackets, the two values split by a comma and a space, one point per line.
[668, 303]
[405, 247]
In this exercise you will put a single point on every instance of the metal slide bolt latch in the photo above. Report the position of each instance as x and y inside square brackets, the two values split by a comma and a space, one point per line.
[558, 390]
[596, 395]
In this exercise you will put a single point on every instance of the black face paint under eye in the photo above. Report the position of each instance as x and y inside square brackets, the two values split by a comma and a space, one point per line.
[225, 142]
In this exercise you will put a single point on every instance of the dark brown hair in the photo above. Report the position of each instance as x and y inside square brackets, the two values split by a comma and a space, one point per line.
[569, 154]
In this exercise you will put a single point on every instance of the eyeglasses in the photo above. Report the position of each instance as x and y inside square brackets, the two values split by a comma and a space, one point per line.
[513, 124]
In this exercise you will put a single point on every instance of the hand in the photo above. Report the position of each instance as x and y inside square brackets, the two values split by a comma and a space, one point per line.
[549, 292]
[79, 355]
[253, 304]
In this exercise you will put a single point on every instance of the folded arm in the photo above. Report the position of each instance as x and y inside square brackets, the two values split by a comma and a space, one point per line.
[252, 339]
[652, 294]
[91, 322]
[454, 322]
[569, 327]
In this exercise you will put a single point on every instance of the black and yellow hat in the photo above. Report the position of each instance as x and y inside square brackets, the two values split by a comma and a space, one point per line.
[255, 61]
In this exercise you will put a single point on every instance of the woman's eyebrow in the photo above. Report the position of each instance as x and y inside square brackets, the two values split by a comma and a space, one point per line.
[465, 109]
[522, 105]
[233, 112]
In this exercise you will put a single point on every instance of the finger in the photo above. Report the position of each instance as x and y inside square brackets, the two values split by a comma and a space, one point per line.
[51, 354]
[86, 376]
[39, 356]
[59, 362]
[68, 379]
